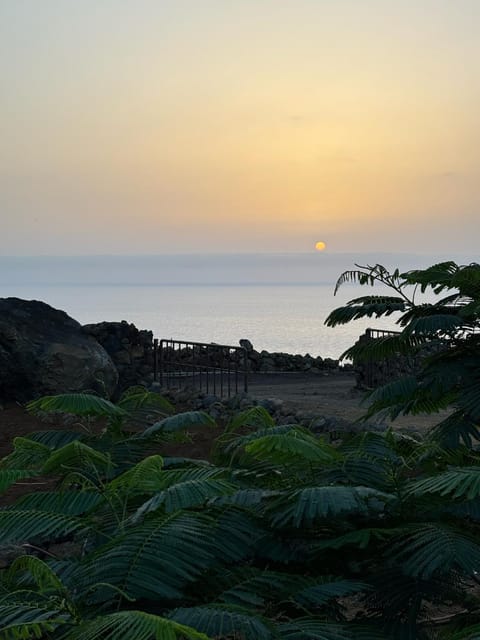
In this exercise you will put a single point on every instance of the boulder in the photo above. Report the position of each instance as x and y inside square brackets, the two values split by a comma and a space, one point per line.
[130, 349]
[45, 352]
[246, 344]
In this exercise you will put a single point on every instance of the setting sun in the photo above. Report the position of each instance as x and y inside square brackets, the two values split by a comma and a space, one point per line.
[320, 246]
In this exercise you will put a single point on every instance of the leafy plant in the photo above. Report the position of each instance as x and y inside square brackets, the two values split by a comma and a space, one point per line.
[442, 336]
[293, 538]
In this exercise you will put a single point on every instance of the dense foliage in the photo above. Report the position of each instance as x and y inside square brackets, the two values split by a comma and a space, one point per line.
[444, 336]
[287, 536]
[280, 534]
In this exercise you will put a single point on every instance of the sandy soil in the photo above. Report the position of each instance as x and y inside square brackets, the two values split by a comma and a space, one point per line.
[332, 395]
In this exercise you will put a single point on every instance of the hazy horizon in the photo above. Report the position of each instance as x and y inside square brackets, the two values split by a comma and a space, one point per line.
[199, 268]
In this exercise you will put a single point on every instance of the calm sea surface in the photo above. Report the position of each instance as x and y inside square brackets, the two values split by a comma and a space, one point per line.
[278, 302]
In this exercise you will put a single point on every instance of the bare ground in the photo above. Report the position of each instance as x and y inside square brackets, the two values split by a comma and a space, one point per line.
[334, 395]
[331, 395]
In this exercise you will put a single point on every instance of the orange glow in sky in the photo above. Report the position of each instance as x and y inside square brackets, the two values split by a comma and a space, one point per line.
[142, 127]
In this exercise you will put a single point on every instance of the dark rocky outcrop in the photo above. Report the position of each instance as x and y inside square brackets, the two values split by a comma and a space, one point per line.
[43, 351]
[130, 349]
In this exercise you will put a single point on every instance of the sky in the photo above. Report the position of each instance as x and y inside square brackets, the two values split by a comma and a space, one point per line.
[218, 126]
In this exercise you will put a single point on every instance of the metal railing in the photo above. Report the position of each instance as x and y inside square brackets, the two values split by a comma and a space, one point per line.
[219, 369]
[380, 333]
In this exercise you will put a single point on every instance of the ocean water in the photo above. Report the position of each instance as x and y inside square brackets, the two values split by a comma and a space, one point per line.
[278, 302]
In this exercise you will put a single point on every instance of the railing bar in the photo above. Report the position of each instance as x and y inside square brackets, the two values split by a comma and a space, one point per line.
[175, 360]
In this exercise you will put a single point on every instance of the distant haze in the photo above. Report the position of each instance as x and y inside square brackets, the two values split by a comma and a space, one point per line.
[231, 126]
[194, 269]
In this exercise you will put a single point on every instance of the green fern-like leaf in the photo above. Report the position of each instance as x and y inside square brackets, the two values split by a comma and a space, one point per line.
[180, 422]
[434, 548]
[365, 307]
[156, 559]
[39, 572]
[439, 274]
[137, 625]
[384, 348]
[255, 417]
[235, 534]
[139, 398]
[177, 490]
[305, 506]
[224, 622]
[252, 587]
[237, 443]
[283, 447]
[246, 498]
[317, 629]
[26, 454]
[319, 594]
[436, 323]
[141, 478]
[370, 275]
[55, 439]
[78, 404]
[77, 455]
[457, 483]
[454, 430]
[8, 477]
[21, 621]
[360, 538]
[22, 526]
[69, 503]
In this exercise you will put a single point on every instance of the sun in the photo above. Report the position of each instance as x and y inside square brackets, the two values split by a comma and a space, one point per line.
[320, 246]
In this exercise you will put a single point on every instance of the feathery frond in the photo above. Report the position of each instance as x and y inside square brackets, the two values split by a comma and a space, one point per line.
[303, 507]
[11, 476]
[20, 621]
[78, 404]
[218, 621]
[179, 422]
[137, 625]
[435, 548]
[24, 525]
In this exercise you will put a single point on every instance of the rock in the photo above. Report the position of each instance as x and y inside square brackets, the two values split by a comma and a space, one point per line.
[209, 400]
[272, 405]
[130, 349]
[217, 410]
[45, 352]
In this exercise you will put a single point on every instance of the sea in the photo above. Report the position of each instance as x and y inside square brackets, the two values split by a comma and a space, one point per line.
[277, 301]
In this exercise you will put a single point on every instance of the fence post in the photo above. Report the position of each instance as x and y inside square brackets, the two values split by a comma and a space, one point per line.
[245, 371]
[155, 360]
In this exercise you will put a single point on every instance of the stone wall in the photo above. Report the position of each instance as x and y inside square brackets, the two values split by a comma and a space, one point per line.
[265, 362]
[257, 361]
[130, 349]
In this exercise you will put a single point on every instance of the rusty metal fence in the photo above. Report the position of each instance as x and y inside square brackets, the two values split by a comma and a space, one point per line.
[219, 369]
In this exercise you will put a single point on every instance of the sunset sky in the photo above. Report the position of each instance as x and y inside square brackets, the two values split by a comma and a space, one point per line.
[165, 126]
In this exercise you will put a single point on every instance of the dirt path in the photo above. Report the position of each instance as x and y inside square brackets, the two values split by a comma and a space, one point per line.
[333, 395]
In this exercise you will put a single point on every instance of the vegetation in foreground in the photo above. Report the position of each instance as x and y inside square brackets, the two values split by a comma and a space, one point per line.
[284, 536]
[443, 337]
